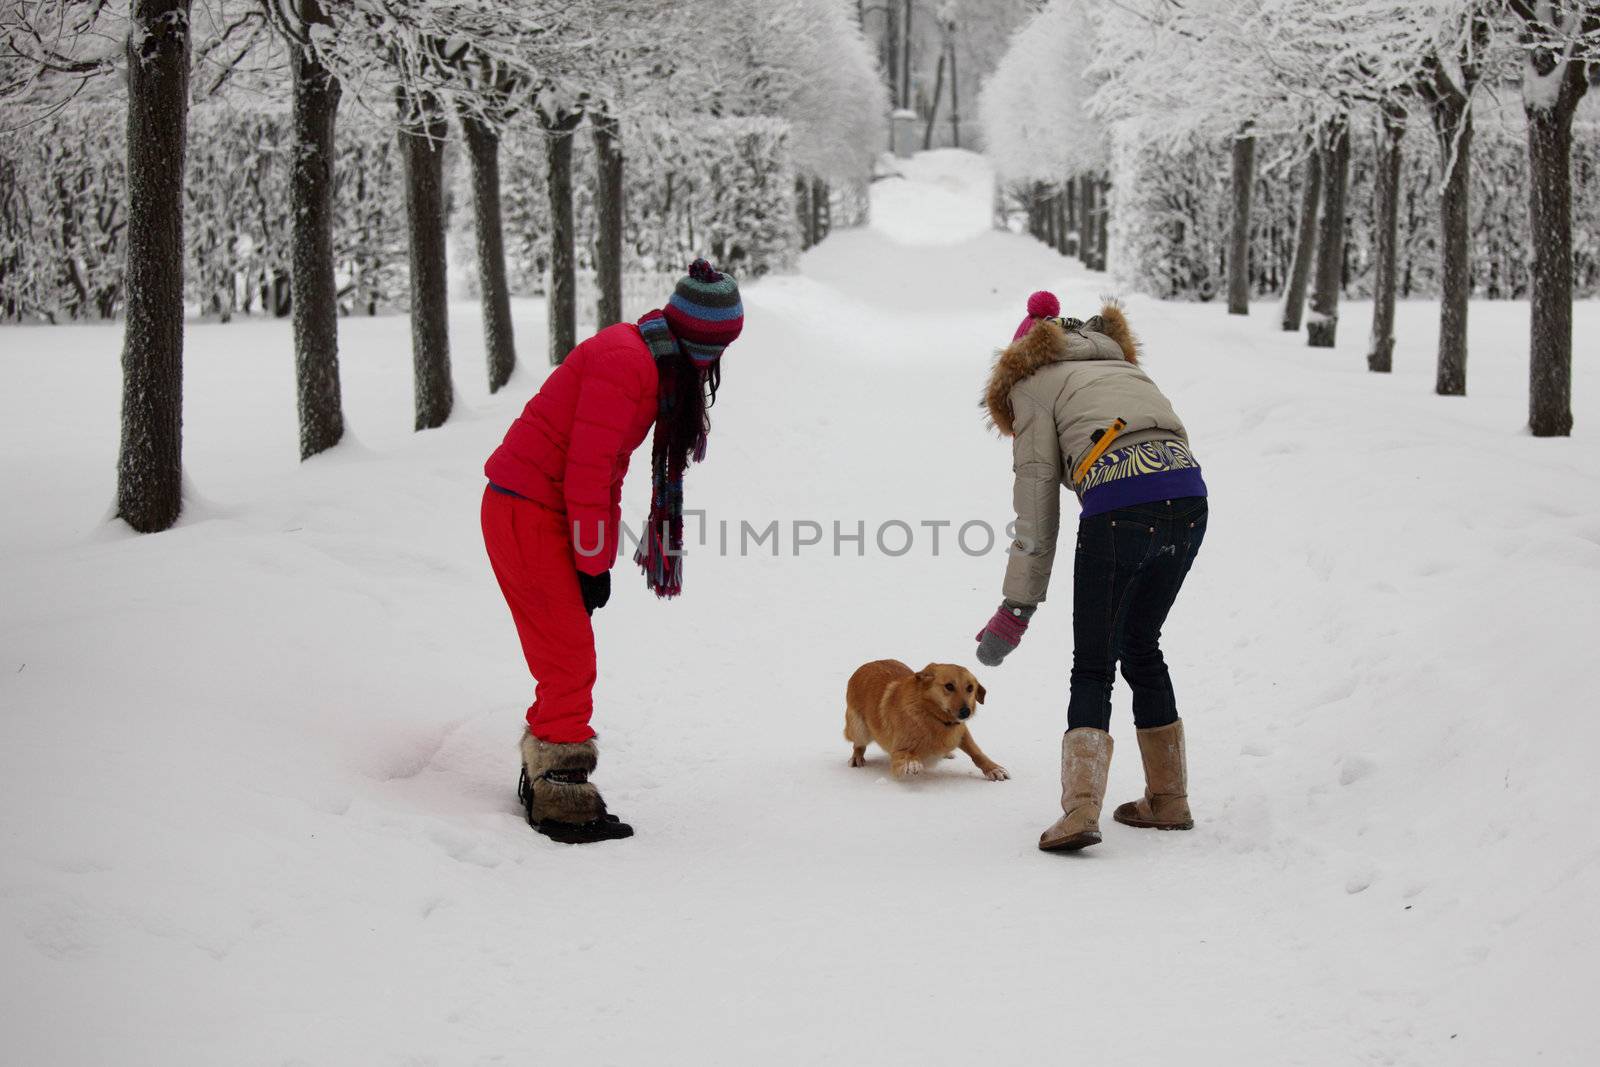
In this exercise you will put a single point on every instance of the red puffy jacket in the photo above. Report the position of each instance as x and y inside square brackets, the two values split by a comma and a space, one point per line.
[569, 449]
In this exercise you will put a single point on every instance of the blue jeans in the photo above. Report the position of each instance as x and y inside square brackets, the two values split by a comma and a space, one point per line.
[1130, 564]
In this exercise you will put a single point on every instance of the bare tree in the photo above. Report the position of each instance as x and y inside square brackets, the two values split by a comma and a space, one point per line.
[609, 192]
[494, 292]
[889, 51]
[1562, 42]
[933, 106]
[821, 209]
[1244, 176]
[1323, 328]
[1086, 229]
[1069, 201]
[1102, 240]
[558, 128]
[150, 462]
[1305, 240]
[50, 53]
[906, 39]
[1391, 135]
[476, 55]
[507, 68]
[315, 300]
[1447, 80]
[483, 111]
[955, 86]
[423, 129]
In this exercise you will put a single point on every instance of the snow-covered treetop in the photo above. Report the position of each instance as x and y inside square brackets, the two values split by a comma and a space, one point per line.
[839, 102]
[804, 62]
[52, 51]
[1560, 42]
[1209, 67]
[1034, 108]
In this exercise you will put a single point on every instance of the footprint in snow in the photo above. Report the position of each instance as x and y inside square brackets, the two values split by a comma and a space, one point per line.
[1359, 882]
[1353, 768]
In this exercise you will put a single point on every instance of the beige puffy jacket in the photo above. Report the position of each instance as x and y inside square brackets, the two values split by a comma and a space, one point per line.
[1050, 391]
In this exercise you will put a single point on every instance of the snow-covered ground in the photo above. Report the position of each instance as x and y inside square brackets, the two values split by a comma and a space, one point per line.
[256, 773]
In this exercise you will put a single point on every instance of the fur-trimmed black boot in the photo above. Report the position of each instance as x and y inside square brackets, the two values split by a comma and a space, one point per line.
[561, 802]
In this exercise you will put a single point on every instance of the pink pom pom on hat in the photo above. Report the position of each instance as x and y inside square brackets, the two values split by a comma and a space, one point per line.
[1041, 305]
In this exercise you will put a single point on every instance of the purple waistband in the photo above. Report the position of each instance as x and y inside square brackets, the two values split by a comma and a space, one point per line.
[1142, 489]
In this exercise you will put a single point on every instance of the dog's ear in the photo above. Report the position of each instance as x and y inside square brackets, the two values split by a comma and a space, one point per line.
[925, 675]
[982, 692]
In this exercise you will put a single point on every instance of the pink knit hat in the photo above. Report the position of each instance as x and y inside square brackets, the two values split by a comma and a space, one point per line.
[1041, 305]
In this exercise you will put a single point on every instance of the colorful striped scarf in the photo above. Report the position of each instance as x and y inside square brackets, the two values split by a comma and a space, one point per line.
[660, 553]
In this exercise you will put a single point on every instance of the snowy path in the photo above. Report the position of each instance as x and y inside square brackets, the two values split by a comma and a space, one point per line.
[256, 773]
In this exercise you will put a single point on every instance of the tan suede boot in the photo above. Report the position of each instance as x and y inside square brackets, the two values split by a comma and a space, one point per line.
[1085, 761]
[1166, 792]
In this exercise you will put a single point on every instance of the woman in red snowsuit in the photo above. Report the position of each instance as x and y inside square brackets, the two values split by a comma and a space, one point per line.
[552, 519]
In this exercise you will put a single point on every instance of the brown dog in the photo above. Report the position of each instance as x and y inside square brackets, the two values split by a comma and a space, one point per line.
[915, 717]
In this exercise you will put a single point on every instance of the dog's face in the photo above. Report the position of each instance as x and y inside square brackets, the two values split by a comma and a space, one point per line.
[953, 689]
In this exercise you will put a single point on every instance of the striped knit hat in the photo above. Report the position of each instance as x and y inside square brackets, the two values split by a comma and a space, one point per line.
[705, 312]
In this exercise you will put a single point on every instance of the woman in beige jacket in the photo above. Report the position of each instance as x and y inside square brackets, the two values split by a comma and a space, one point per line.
[1081, 413]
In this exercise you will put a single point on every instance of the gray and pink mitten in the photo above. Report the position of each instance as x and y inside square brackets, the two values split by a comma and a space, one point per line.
[1003, 632]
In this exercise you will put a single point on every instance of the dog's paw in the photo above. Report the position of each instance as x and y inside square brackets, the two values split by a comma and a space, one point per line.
[949, 755]
[858, 760]
[908, 769]
[996, 773]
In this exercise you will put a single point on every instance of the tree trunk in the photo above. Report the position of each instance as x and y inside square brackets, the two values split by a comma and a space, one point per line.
[563, 310]
[955, 101]
[1085, 217]
[821, 210]
[1453, 123]
[1305, 239]
[1050, 236]
[282, 294]
[1102, 223]
[1244, 176]
[422, 134]
[608, 194]
[802, 200]
[1380, 354]
[70, 276]
[1074, 239]
[1550, 228]
[494, 292]
[905, 59]
[1061, 200]
[891, 53]
[150, 461]
[1550, 203]
[315, 298]
[933, 109]
[1323, 328]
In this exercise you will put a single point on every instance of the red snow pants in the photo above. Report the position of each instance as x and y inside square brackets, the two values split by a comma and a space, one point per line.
[531, 553]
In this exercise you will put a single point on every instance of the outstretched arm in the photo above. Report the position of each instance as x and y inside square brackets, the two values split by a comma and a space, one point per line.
[1036, 495]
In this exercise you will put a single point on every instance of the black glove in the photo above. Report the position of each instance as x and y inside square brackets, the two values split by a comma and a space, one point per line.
[596, 590]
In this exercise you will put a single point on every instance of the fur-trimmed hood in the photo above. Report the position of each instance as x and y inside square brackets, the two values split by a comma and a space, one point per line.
[1106, 336]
